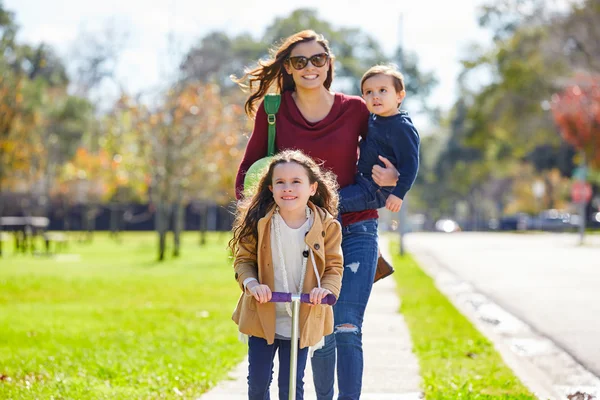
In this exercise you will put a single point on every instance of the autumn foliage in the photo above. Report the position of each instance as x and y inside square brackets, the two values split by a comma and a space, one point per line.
[576, 111]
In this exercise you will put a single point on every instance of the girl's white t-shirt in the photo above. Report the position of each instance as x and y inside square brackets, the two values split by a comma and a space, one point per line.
[294, 245]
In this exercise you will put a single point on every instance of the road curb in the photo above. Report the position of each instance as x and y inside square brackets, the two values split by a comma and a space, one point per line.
[445, 280]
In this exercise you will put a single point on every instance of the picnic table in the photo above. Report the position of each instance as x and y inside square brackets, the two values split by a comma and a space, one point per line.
[25, 230]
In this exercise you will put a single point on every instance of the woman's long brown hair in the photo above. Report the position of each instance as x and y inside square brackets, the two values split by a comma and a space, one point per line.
[253, 208]
[266, 72]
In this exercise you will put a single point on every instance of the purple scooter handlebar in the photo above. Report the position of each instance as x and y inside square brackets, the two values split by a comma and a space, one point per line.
[280, 297]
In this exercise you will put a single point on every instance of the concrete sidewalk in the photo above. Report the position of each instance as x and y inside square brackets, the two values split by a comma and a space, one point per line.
[391, 369]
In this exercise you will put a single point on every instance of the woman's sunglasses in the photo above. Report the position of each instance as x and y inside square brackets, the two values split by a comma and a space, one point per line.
[300, 62]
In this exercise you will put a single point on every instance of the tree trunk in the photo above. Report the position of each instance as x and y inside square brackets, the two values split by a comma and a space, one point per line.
[115, 216]
[548, 194]
[27, 229]
[162, 226]
[162, 241]
[18, 241]
[66, 223]
[178, 226]
[89, 222]
[203, 226]
[212, 218]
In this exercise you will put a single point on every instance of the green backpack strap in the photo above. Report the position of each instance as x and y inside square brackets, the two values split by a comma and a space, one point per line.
[272, 102]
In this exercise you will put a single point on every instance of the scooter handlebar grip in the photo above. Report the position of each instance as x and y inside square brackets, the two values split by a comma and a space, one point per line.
[329, 299]
[280, 297]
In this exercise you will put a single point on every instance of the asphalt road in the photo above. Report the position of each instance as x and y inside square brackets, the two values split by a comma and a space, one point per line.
[546, 280]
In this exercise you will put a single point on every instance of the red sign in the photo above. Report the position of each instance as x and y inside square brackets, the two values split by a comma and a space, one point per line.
[581, 192]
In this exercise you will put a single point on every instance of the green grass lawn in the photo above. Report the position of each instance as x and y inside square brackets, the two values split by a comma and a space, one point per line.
[456, 360]
[112, 323]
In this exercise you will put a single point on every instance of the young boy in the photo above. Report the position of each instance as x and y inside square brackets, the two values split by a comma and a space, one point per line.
[391, 135]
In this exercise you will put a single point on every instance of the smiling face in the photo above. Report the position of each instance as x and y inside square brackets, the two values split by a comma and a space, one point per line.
[309, 77]
[381, 96]
[291, 189]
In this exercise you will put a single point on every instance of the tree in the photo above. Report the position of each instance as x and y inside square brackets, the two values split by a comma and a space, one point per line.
[500, 127]
[576, 111]
[8, 31]
[186, 136]
[11, 97]
[523, 197]
[505, 17]
[536, 48]
[80, 183]
[47, 128]
[579, 34]
[127, 174]
[509, 114]
[40, 123]
[42, 63]
[174, 141]
[96, 56]
[419, 84]
[215, 172]
[217, 56]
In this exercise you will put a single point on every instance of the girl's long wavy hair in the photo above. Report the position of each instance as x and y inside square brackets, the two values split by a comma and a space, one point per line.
[250, 210]
[266, 72]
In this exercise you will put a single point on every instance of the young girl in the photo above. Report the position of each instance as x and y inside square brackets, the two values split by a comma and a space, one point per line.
[286, 239]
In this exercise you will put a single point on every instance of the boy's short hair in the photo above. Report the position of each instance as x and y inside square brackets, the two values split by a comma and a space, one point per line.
[387, 69]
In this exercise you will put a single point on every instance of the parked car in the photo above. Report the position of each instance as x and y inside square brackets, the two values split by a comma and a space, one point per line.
[555, 220]
[595, 220]
[513, 222]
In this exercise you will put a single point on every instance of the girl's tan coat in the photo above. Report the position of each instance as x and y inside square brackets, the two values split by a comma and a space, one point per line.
[324, 240]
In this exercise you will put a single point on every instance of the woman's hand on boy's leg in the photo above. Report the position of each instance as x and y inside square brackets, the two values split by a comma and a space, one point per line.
[262, 293]
[393, 203]
[387, 176]
[318, 294]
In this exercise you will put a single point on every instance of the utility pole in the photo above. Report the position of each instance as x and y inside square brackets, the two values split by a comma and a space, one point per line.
[401, 39]
[402, 214]
[402, 225]
[583, 202]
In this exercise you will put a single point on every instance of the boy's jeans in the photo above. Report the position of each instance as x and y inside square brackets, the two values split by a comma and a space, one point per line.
[260, 368]
[364, 194]
[359, 245]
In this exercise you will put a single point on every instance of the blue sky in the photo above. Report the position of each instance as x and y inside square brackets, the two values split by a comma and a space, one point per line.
[439, 32]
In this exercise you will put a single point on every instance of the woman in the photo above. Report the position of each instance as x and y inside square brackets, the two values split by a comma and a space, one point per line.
[326, 126]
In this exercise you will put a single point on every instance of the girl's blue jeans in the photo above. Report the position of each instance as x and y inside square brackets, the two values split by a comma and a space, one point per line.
[260, 368]
[359, 246]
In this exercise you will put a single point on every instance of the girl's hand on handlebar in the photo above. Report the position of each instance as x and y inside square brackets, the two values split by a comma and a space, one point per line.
[262, 293]
[318, 294]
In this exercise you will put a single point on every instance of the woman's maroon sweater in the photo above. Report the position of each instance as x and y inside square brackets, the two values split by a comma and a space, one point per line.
[333, 140]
